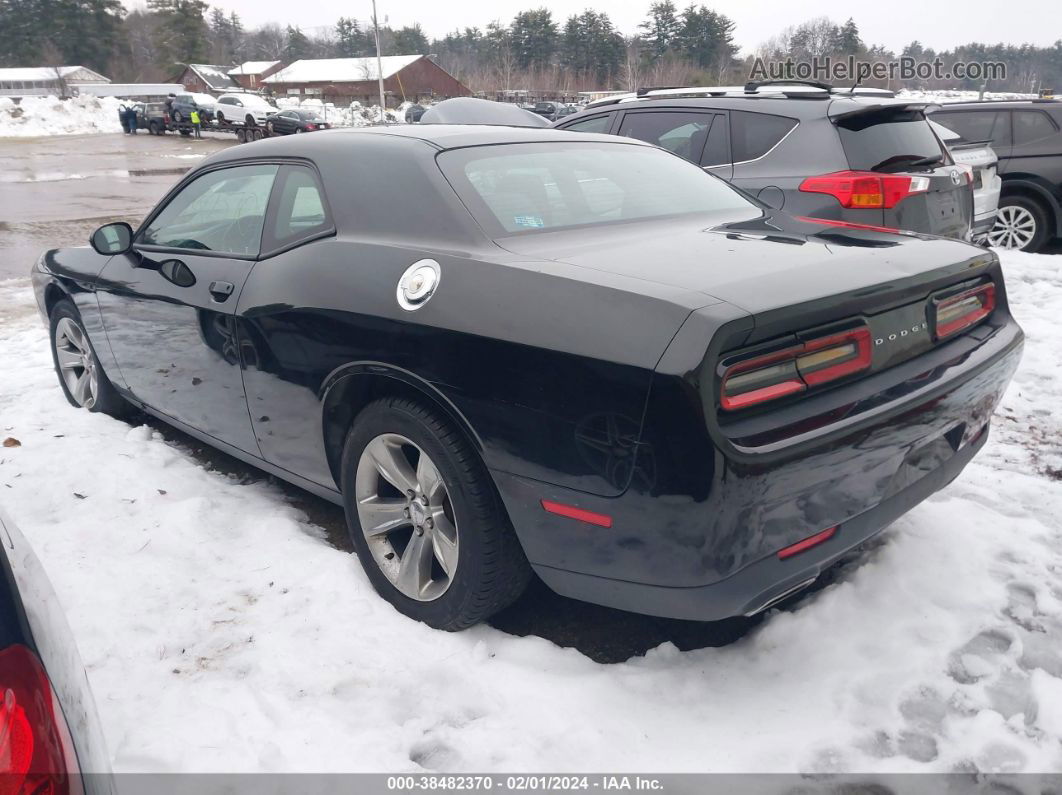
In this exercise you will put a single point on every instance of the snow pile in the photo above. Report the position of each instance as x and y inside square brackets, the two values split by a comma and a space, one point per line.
[222, 633]
[38, 116]
[353, 115]
[954, 95]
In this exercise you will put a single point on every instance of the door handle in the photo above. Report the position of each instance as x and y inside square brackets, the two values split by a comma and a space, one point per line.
[221, 290]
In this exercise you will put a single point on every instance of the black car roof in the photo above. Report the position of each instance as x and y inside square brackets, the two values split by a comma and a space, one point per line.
[335, 142]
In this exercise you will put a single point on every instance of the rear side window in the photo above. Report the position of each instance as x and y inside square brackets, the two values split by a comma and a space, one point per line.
[681, 133]
[888, 141]
[753, 135]
[981, 125]
[1032, 125]
[300, 208]
[598, 124]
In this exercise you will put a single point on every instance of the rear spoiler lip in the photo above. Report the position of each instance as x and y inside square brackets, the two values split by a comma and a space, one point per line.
[969, 145]
[880, 106]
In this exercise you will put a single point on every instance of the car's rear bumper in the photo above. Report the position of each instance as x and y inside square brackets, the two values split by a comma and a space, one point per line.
[769, 580]
[697, 534]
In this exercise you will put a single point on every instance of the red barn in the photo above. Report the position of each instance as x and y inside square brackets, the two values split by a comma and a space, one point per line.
[344, 80]
[250, 74]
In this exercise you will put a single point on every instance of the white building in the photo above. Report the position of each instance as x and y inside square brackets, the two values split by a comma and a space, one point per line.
[42, 81]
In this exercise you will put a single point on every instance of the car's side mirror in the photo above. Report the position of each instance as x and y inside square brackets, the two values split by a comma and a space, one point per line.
[111, 239]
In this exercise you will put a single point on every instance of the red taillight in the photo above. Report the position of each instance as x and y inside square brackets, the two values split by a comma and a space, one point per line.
[570, 511]
[807, 543]
[957, 312]
[866, 189]
[36, 751]
[792, 370]
[311, 126]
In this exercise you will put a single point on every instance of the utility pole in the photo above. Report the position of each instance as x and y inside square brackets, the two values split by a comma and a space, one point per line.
[379, 63]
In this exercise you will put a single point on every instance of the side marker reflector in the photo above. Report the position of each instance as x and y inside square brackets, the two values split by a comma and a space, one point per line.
[571, 512]
[807, 543]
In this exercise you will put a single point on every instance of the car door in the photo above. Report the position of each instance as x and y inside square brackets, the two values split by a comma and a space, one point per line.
[287, 350]
[168, 306]
[288, 121]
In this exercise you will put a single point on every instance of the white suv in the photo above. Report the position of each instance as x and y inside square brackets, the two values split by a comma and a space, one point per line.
[249, 109]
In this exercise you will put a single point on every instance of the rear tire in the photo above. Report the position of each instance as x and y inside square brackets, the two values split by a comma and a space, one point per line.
[81, 376]
[1021, 225]
[472, 564]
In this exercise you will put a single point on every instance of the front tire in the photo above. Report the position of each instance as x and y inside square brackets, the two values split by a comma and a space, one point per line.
[81, 376]
[428, 526]
[1021, 225]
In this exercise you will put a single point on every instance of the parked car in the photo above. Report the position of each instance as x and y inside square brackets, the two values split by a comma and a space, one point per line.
[286, 122]
[153, 117]
[514, 349]
[547, 110]
[472, 110]
[50, 736]
[414, 112]
[566, 110]
[1027, 137]
[183, 104]
[983, 166]
[249, 109]
[862, 158]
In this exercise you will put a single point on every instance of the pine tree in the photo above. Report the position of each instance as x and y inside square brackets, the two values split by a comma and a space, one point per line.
[661, 28]
[534, 37]
[848, 41]
[410, 41]
[297, 46]
[183, 35]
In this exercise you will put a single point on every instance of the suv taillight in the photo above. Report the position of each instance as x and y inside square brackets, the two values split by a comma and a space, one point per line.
[958, 312]
[786, 372]
[36, 750]
[866, 189]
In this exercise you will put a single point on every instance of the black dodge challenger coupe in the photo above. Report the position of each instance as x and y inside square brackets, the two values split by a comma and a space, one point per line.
[514, 350]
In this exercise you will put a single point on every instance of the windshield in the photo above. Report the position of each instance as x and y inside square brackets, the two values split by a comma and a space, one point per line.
[889, 140]
[527, 188]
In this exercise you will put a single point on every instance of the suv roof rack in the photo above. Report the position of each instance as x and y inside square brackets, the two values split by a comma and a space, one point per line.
[790, 89]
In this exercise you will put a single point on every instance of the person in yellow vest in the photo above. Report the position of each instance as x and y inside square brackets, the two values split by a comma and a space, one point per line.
[194, 115]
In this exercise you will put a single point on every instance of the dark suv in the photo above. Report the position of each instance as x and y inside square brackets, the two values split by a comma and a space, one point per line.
[1027, 137]
[862, 158]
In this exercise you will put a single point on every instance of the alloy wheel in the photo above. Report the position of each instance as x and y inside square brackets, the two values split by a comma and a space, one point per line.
[77, 365]
[407, 517]
[1015, 228]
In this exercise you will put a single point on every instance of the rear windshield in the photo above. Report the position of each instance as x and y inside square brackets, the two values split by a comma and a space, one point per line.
[889, 141]
[526, 188]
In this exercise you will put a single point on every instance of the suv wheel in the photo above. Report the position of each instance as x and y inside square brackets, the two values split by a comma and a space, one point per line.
[424, 517]
[1021, 224]
[81, 376]
[177, 116]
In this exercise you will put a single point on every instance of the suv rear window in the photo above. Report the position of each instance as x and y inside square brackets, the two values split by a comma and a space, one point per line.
[1032, 125]
[888, 140]
[753, 135]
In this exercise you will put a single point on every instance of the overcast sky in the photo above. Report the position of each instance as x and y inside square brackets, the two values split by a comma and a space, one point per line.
[941, 24]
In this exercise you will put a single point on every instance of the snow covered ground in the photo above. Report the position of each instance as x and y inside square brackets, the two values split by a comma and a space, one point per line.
[222, 633]
[40, 116]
